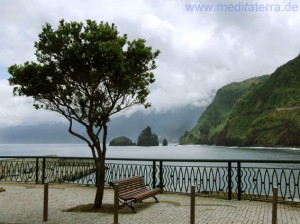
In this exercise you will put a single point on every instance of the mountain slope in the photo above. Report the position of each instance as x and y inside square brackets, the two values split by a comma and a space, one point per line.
[214, 117]
[266, 113]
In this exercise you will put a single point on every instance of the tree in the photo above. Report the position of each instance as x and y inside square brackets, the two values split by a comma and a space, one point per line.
[87, 72]
[147, 138]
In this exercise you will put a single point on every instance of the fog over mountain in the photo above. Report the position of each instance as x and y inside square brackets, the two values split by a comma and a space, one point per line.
[170, 125]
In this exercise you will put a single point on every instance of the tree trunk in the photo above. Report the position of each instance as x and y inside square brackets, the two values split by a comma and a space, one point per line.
[100, 184]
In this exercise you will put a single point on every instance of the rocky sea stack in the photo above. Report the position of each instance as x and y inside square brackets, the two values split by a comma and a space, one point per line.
[121, 141]
[147, 138]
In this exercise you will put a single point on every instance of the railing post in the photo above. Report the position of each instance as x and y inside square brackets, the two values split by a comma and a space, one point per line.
[154, 174]
[229, 181]
[44, 171]
[161, 180]
[239, 180]
[37, 170]
[96, 181]
[116, 203]
[97, 174]
[192, 214]
[274, 205]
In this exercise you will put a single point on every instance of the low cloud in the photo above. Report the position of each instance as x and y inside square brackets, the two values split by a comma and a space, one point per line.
[200, 51]
[16, 111]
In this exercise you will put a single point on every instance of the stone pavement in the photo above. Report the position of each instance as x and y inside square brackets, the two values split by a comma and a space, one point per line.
[23, 203]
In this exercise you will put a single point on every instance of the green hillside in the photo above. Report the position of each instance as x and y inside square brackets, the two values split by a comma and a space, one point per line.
[261, 111]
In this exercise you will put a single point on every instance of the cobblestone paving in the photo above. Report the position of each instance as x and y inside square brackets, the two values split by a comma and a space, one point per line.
[23, 203]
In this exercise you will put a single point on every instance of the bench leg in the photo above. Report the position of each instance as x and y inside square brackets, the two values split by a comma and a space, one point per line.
[129, 205]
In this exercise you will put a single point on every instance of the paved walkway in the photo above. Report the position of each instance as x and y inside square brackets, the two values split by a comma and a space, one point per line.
[23, 203]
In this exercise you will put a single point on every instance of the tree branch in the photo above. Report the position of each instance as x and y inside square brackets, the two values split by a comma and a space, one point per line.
[78, 135]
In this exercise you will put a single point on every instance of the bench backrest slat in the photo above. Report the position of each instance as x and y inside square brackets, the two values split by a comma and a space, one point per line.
[131, 184]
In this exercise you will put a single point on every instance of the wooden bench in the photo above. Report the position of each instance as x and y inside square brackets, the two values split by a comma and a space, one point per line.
[133, 189]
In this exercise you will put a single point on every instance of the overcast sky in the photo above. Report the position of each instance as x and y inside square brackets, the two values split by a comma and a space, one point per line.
[200, 51]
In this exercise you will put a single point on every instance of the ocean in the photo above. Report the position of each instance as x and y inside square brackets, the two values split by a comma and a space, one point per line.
[256, 180]
[158, 152]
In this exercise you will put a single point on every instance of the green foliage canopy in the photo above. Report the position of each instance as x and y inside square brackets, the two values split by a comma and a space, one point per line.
[87, 72]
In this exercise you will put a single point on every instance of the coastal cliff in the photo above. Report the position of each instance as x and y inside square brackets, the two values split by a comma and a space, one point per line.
[261, 111]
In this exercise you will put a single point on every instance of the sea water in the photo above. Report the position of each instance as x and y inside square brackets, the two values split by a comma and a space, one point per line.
[172, 152]
[157, 152]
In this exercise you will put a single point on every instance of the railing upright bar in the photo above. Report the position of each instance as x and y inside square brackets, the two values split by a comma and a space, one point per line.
[229, 181]
[44, 170]
[37, 170]
[161, 180]
[97, 174]
[154, 174]
[239, 181]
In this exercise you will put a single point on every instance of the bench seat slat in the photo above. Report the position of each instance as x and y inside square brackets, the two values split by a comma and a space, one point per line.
[129, 189]
[131, 194]
[133, 191]
[146, 194]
